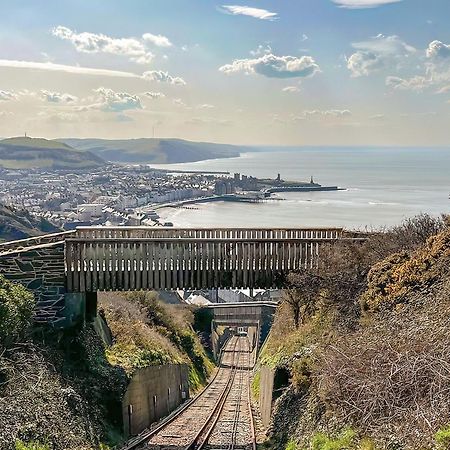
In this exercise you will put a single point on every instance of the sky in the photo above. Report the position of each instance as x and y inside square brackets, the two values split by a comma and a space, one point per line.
[256, 72]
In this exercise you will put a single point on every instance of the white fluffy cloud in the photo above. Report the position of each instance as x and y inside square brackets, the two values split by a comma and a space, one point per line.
[135, 49]
[362, 4]
[378, 53]
[6, 95]
[438, 49]
[157, 39]
[111, 101]
[163, 77]
[57, 97]
[257, 13]
[435, 72]
[273, 66]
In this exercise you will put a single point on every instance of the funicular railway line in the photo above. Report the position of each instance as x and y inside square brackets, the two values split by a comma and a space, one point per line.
[218, 418]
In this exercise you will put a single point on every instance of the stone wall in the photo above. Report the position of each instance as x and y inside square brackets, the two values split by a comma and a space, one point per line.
[153, 393]
[40, 269]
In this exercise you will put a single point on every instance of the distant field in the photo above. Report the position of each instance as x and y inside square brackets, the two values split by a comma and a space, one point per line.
[31, 153]
[154, 151]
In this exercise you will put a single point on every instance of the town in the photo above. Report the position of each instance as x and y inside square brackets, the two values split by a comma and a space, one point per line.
[128, 195]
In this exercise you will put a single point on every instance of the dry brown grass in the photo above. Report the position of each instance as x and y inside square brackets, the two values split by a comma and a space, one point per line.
[392, 378]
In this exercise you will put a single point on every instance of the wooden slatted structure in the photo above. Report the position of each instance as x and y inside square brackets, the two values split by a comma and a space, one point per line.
[133, 258]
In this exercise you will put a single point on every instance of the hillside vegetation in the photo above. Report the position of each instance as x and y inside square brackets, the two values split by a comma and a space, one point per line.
[367, 355]
[156, 151]
[19, 224]
[62, 390]
[36, 153]
[148, 332]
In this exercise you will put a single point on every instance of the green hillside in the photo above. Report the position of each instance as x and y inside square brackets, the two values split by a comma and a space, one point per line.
[156, 151]
[15, 224]
[37, 153]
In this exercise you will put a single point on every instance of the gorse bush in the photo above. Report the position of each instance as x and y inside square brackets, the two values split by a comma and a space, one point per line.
[16, 311]
[20, 445]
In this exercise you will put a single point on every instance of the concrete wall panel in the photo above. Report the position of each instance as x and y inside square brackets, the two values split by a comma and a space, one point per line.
[153, 393]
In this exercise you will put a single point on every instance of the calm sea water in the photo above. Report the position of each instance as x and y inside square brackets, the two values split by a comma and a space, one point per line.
[383, 186]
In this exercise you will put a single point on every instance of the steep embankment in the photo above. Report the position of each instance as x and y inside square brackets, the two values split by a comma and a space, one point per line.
[156, 151]
[148, 332]
[63, 390]
[369, 368]
[35, 153]
[19, 224]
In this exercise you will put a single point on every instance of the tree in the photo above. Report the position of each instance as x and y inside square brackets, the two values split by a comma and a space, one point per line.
[16, 311]
[302, 294]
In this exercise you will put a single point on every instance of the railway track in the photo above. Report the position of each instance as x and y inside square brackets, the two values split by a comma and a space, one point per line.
[218, 418]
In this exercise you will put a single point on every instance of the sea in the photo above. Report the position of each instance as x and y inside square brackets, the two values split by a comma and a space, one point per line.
[381, 188]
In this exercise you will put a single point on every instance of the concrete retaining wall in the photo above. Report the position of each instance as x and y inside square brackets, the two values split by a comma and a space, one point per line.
[152, 394]
[267, 377]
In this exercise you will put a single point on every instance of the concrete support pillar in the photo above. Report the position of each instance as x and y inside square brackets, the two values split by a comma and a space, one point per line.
[91, 306]
[74, 308]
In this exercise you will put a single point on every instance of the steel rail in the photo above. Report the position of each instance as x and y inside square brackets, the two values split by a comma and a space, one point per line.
[215, 414]
[138, 440]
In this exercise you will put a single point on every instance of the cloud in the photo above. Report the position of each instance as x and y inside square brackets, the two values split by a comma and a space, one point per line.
[154, 95]
[157, 39]
[257, 13]
[385, 45]
[78, 70]
[291, 89]
[163, 77]
[111, 101]
[261, 50]
[178, 102]
[65, 68]
[417, 83]
[377, 117]
[377, 53]
[86, 42]
[56, 97]
[208, 121]
[327, 113]
[6, 95]
[362, 4]
[274, 66]
[438, 50]
[205, 106]
[444, 90]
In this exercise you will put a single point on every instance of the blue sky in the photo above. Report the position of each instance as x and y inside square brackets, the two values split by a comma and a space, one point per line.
[286, 72]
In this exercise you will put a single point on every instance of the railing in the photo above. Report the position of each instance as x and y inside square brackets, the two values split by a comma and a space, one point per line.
[121, 258]
[27, 244]
[208, 233]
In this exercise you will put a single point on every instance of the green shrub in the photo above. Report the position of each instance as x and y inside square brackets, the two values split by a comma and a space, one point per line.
[256, 384]
[20, 445]
[344, 441]
[291, 445]
[301, 374]
[16, 311]
[442, 437]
